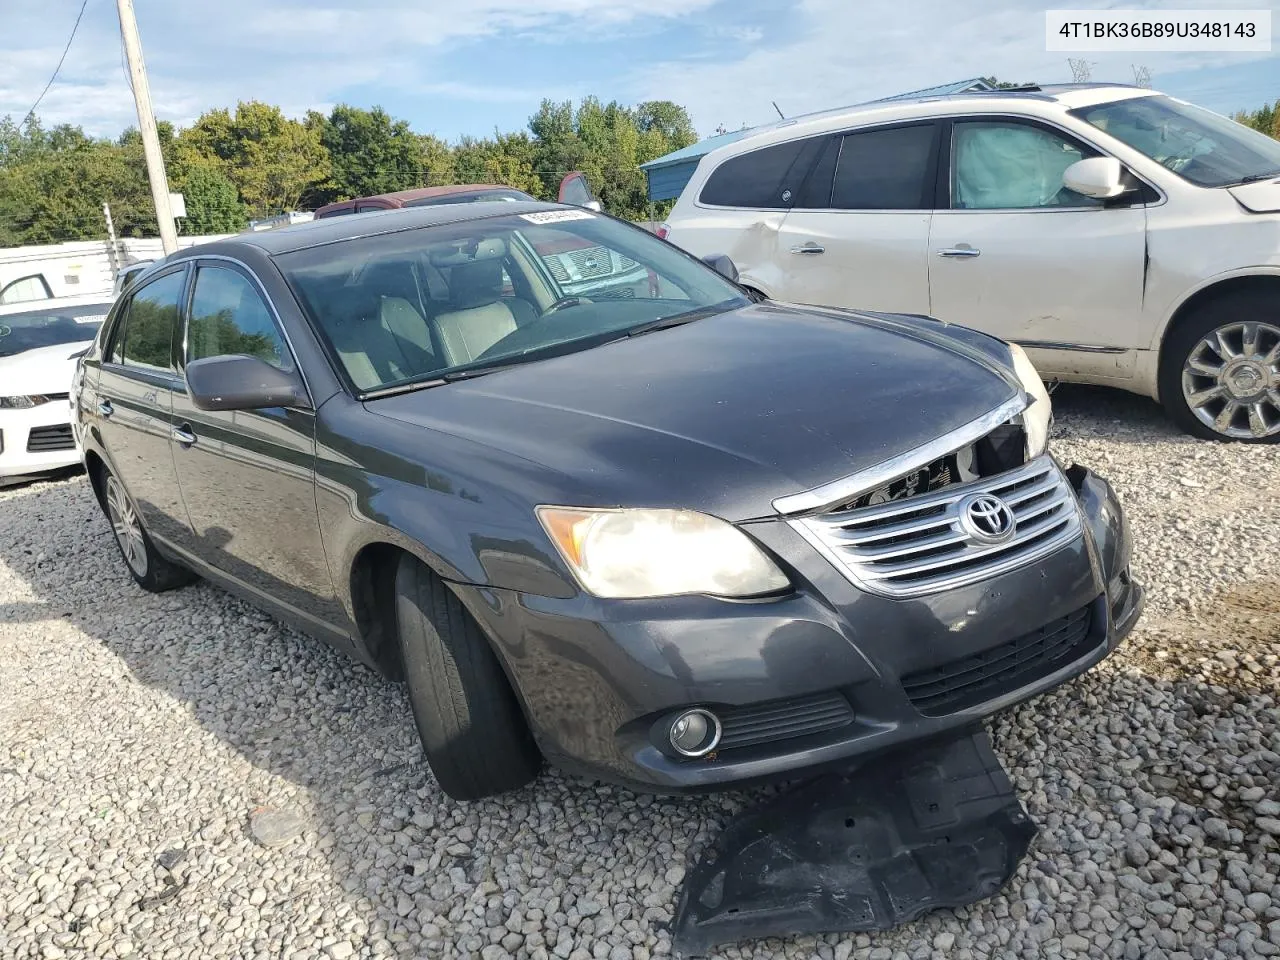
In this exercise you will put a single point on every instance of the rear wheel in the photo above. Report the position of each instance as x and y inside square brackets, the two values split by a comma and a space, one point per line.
[151, 571]
[1220, 370]
[473, 730]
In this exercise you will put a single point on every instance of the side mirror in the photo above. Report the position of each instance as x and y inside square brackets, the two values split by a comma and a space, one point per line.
[722, 265]
[1099, 177]
[243, 383]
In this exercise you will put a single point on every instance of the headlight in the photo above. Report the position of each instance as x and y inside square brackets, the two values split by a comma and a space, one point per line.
[19, 403]
[659, 553]
[1037, 417]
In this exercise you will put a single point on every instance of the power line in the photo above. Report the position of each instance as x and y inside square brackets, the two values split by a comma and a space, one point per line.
[61, 60]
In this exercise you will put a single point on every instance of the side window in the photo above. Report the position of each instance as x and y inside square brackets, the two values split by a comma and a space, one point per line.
[115, 349]
[34, 287]
[764, 178]
[886, 169]
[152, 320]
[1004, 165]
[816, 193]
[228, 317]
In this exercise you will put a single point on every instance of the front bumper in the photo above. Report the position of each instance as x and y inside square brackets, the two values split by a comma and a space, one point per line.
[37, 440]
[600, 680]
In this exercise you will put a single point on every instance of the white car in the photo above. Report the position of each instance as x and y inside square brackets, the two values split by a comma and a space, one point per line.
[40, 342]
[1122, 237]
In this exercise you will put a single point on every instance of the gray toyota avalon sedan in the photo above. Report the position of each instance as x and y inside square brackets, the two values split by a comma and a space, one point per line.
[667, 537]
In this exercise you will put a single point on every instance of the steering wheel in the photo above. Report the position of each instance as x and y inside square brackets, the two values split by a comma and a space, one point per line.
[564, 302]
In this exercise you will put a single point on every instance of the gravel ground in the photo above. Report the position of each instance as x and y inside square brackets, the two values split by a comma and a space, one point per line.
[155, 751]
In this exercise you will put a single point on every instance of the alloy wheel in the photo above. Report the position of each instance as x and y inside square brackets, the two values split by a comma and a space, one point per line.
[1231, 380]
[125, 525]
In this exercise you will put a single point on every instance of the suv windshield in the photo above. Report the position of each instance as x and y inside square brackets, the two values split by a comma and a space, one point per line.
[1197, 144]
[435, 303]
[50, 326]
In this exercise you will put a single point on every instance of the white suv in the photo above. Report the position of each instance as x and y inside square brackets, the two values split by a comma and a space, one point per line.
[1122, 237]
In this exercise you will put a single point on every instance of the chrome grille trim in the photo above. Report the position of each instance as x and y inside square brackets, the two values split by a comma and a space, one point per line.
[846, 488]
[916, 545]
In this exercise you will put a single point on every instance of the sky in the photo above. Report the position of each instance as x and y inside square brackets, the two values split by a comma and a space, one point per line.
[468, 68]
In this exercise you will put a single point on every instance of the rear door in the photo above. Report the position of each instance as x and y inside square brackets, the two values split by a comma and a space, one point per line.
[248, 476]
[135, 399]
[857, 235]
[1020, 256]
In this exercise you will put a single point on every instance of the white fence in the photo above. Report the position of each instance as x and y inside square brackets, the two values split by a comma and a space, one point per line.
[82, 267]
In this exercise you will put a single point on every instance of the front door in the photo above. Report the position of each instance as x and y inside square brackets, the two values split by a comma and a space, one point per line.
[858, 234]
[1020, 256]
[248, 476]
[134, 403]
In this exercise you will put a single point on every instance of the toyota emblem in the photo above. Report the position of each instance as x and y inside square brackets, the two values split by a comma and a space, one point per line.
[987, 519]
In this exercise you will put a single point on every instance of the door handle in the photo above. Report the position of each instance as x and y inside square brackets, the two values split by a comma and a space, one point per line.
[961, 252]
[105, 409]
[183, 435]
[809, 247]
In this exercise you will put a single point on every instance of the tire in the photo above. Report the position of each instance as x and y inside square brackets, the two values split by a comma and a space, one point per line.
[1237, 411]
[148, 568]
[474, 733]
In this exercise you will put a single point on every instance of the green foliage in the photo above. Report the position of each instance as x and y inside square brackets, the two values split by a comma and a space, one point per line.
[1265, 119]
[369, 153]
[213, 203]
[256, 162]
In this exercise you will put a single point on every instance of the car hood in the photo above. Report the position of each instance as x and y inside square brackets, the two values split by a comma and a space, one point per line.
[1260, 197]
[727, 413]
[42, 370]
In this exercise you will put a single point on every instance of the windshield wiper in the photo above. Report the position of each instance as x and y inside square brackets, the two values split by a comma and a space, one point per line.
[679, 319]
[1255, 177]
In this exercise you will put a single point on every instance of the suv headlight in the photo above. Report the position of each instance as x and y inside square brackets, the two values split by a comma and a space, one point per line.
[659, 553]
[1037, 417]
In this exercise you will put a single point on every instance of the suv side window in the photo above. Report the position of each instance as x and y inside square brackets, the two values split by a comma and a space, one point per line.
[765, 178]
[1007, 165]
[147, 331]
[886, 169]
[229, 316]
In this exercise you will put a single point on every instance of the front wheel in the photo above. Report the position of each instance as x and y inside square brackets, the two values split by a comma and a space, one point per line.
[1220, 370]
[472, 728]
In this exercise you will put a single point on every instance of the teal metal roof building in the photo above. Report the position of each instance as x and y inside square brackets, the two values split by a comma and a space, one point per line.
[668, 174]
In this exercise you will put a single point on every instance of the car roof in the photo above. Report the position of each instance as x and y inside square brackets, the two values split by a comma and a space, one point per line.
[399, 197]
[56, 303]
[1068, 96]
[316, 233]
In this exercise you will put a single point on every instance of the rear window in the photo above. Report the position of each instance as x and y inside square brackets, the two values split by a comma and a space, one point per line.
[886, 170]
[767, 178]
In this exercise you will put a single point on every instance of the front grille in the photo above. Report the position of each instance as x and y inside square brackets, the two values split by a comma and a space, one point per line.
[984, 676]
[591, 262]
[557, 269]
[783, 719]
[918, 544]
[48, 439]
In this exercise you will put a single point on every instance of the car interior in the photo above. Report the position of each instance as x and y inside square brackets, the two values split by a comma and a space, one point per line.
[403, 318]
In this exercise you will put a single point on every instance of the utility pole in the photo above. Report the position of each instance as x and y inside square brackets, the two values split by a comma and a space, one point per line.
[147, 126]
[113, 252]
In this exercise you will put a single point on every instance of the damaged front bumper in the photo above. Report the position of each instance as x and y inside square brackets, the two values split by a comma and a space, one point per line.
[929, 828]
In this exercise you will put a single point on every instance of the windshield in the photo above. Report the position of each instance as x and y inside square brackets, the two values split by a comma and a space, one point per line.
[1199, 145]
[433, 303]
[49, 326]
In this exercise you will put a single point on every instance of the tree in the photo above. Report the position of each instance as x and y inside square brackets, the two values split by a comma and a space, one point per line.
[369, 153]
[1265, 119]
[213, 204]
[271, 159]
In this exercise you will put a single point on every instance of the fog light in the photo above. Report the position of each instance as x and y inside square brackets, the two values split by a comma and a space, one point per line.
[695, 733]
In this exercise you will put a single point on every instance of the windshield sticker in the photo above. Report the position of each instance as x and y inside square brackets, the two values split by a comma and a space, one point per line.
[557, 216]
[92, 318]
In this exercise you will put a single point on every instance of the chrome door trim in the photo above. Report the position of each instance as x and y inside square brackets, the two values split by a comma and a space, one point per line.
[1077, 347]
[881, 473]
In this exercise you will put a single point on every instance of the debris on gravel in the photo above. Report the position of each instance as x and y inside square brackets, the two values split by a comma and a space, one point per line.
[139, 733]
